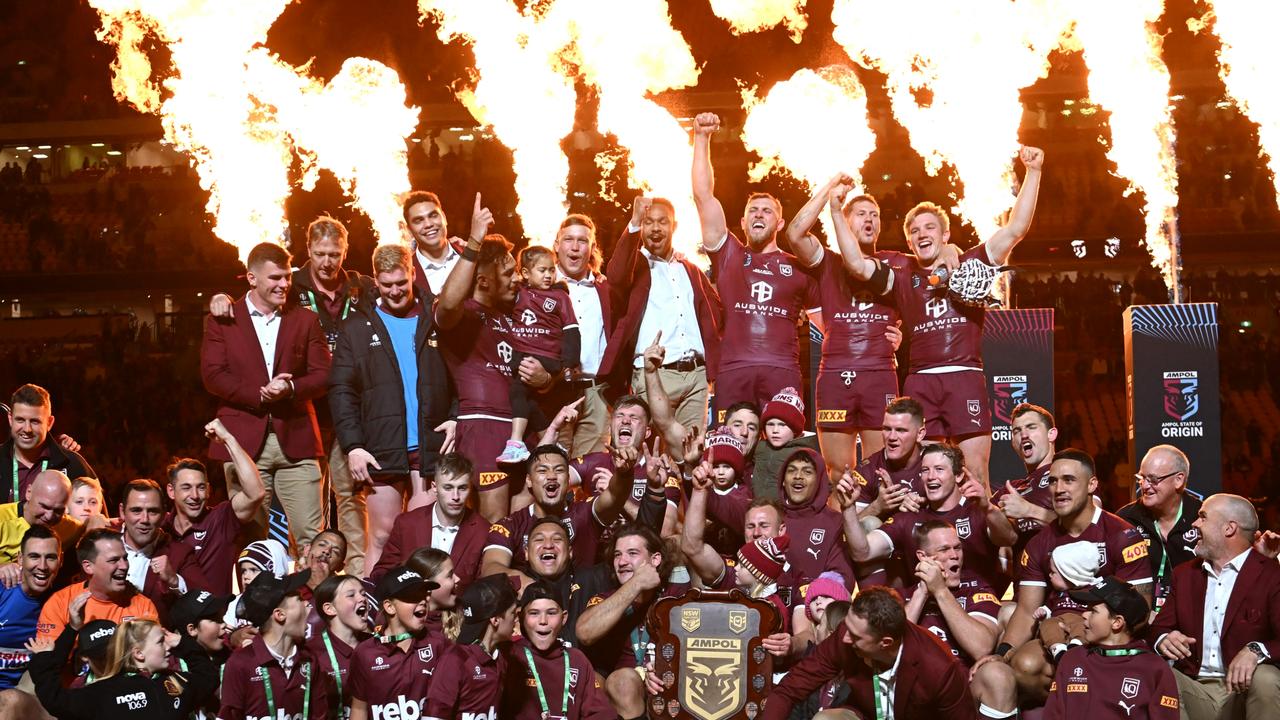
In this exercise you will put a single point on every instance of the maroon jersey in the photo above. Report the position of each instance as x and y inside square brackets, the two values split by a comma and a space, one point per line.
[511, 533]
[586, 465]
[981, 556]
[587, 698]
[1034, 488]
[244, 694]
[980, 602]
[1124, 682]
[477, 351]
[867, 475]
[212, 540]
[624, 645]
[539, 320]
[854, 319]
[467, 686]
[391, 680]
[335, 677]
[765, 295]
[1121, 549]
[942, 331]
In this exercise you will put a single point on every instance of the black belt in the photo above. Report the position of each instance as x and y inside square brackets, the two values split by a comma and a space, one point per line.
[585, 382]
[686, 365]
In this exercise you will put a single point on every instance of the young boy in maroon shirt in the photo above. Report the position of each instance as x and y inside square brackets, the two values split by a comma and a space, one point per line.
[391, 672]
[468, 682]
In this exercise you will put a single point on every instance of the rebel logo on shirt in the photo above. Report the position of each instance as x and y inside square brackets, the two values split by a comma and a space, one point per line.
[401, 708]
[491, 714]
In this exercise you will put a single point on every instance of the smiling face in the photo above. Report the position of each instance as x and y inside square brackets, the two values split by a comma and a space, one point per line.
[800, 480]
[745, 424]
[942, 545]
[429, 227]
[763, 521]
[396, 289]
[761, 221]
[902, 435]
[1072, 487]
[549, 480]
[939, 477]
[629, 425]
[29, 425]
[1032, 438]
[141, 512]
[573, 250]
[153, 654]
[40, 561]
[629, 553]
[656, 228]
[548, 550]
[108, 573]
[444, 597]
[270, 284]
[349, 606]
[1161, 483]
[925, 236]
[542, 620]
[189, 492]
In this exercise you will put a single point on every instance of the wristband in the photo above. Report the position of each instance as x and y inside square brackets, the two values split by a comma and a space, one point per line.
[469, 253]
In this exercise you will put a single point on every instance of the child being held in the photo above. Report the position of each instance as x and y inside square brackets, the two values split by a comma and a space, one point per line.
[544, 328]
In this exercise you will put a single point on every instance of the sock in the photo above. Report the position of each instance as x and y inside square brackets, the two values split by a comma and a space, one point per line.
[989, 712]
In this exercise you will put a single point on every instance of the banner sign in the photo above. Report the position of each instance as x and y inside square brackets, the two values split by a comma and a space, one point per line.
[1017, 354]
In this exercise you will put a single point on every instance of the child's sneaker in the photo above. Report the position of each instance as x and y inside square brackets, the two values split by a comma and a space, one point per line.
[513, 453]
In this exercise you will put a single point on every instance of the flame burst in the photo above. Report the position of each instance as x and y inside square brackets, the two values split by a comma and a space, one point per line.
[1246, 65]
[747, 16]
[242, 114]
[831, 107]
[1127, 77]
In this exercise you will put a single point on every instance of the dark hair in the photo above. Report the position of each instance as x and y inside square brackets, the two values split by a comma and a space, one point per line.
[493, 248]
[327, 590]
[663, 202]
[87, 548]
[141, 485]
[32, 395]
[1023, 408]
[427, 561]
[742, 405]
[177, 465]
[905, 406]
[948, 450]
[454, 464]
[548, 449]
[419, 196]
[634, 401]
[921, 533]
[346, 545]
[38, 532]
[268, 252]
[531, 254]
[652, 542]
[1079, 456]
[882, 608]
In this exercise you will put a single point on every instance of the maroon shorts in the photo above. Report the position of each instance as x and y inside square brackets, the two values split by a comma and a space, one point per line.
[955, 403]
[481, 440]
[757, 384]
[850, 400]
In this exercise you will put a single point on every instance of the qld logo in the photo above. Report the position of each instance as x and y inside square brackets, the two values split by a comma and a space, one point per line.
[1007, 391]
[1181, 394]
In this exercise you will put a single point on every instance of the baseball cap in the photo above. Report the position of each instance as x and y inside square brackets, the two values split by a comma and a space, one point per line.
[95, 638]
[403, 583]
[266, 592]
[541, 590]
[485, 598]
[1119, 597]
[195, 606]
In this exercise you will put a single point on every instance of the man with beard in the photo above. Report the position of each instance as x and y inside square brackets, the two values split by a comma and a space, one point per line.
[893, 667]
[548, 480]
[111, 597]
[1220, 625]
[1121, 550]
[821, 538]
[945, 336]
[896, 466]
[211, 532]
[667, 296]
[434, 252]
[545, 678]
[41, 556]
[389, 393]
[446, 524]
[764, 290]
[159, 567]
[391, 673]
[472, 314]
[28, 451]
[1029, 502]
[1165, 513]
[323, 286]
[950, 495]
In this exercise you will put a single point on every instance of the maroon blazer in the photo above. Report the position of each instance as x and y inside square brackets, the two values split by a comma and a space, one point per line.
[631, 282]
[232, 368]
[1253, 612]
[931, 683]
[412, 530]
[182, 560]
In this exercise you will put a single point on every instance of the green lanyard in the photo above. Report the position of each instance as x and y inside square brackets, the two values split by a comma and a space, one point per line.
[271, 698]
[1119, 652]
[639, 644]
[883, 705]
[333, 661]
[392, 639]
[44, 465]
[1164, 549]
[346, 304]
[183, 665]
[537, 681]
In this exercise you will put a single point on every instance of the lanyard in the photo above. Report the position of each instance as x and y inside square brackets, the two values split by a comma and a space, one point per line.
[271, 698]
[639, 644]
[333, 661]
[880, 689]
[537, 681]
[1119, 652]
[1164, 549]
[346, 304]
[44, 465]
[389, 639]
[183, 664]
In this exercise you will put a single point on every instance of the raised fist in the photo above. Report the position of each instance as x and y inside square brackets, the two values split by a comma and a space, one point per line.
[706, 123]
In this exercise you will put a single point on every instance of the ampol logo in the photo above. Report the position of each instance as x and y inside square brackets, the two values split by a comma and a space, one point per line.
[1007, 391]
[1181, 394]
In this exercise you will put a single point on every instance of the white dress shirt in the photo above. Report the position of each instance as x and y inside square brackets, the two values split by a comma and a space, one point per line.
[671, 309]
[586, 305]
[442, 535]
[437, 272]
[267, 326]
[138, 566]
[1216, 597]
[886, 684]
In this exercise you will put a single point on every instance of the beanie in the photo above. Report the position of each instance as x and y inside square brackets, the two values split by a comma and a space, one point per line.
[828, 584]
[787, 407]
[725, 447]
[1077, 563]
[765, 558]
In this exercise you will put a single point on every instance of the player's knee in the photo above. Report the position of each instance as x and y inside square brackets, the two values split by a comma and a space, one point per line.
[994, 684]
[1028, 662]
[624, 685]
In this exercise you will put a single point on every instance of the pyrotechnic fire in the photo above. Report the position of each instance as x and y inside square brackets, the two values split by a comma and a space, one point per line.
[746, 16]
[241, 113]
[1246, 64]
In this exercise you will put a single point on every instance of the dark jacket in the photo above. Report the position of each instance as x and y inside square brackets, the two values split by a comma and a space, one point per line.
[357, 289]
[1181, 545]
[366, 393]
[70, 463]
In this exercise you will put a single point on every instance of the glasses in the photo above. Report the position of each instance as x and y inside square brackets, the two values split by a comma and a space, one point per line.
[1154, 481]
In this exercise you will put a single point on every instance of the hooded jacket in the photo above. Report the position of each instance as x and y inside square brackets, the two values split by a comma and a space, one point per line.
[817, 532]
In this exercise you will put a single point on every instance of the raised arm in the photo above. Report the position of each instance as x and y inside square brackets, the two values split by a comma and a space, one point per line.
[457, 287]
[710, 212]
[859, 266]
[975, 636]
[1021, 626]
[804, 245]
[862, 546]
[245, 501]
[703, 558]
[672, 432]
[1024, 208]
[598, 619]
[623, 260]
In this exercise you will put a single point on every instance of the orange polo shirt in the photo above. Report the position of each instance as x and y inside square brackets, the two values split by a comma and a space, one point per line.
[54, 616]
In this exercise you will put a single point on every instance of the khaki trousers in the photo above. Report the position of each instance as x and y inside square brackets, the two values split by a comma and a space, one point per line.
[1208, 699]
[352, 515]
[587, 435]
[298, 485]
[687, 392]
